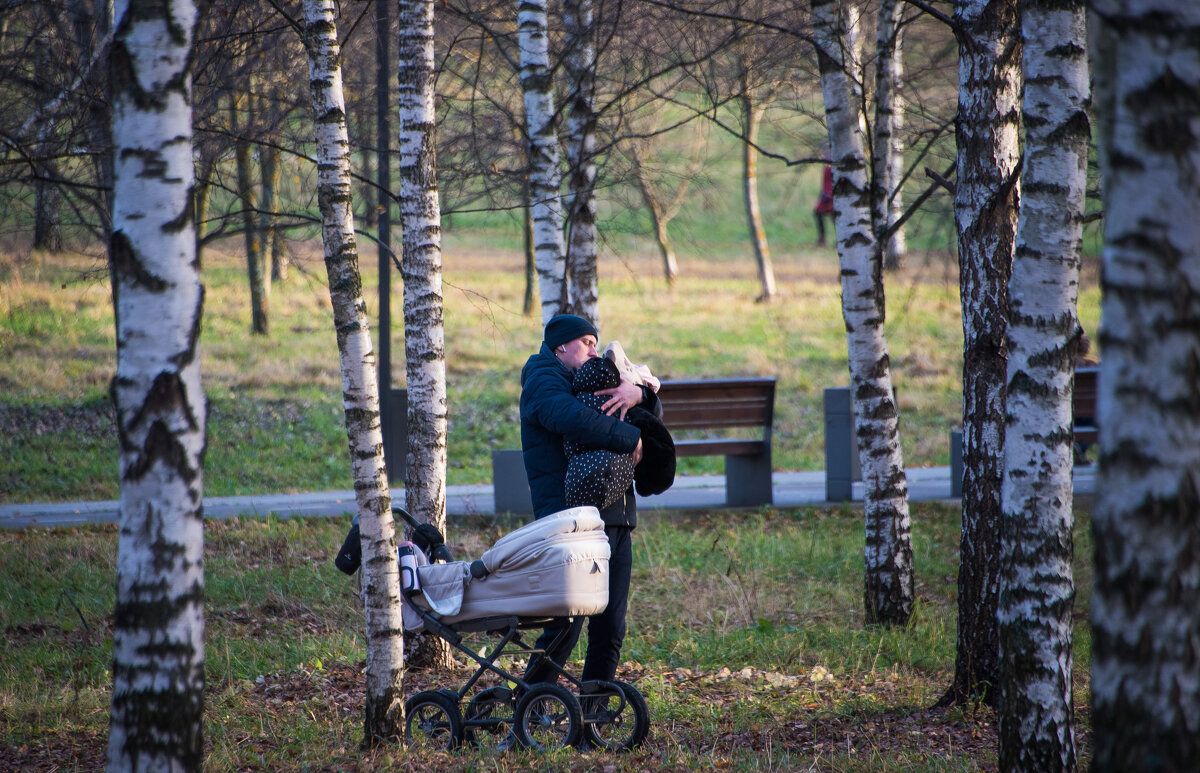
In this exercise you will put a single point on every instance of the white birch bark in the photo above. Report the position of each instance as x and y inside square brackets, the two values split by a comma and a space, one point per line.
[985, 211]
[888, 592]
[384, 708]
[888, 159]
[158, 629]
[1037, 590]
[545, 177]
[1146, 522]
[421, 268]
[579, 24]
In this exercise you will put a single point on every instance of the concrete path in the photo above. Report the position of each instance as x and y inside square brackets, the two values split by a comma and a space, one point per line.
[791, 489]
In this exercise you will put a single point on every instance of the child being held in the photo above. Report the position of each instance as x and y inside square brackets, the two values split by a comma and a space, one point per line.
[595, 476]
[599, 477]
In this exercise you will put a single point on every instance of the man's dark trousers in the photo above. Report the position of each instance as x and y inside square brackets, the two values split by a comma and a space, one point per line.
[606, 631]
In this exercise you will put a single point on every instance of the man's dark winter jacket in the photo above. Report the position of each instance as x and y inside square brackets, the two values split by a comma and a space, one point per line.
[550, 412]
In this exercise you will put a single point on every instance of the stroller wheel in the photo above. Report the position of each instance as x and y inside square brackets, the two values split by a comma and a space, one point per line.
[548, 717]
[489, 714]
[615, 716]
[432, 722]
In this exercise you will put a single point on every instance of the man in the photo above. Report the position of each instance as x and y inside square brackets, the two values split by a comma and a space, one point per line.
[550, 412]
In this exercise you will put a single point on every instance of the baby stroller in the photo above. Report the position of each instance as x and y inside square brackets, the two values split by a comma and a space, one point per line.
[542, 574]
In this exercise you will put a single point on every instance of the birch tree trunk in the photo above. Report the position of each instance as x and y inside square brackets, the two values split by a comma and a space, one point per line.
[545, 177]
[583, 280]
[1146, 523]
[424, 328]
[1037, 590]
[985, 213]
[158, 625]
[360, 388]
[888, 558]
[888, 160]
[751, 120]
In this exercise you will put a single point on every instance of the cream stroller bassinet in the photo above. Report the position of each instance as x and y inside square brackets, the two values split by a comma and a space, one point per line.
[545, 572]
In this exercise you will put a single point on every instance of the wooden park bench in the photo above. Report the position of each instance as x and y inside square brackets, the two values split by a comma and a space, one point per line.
[706, 418]
[1086, 424]
[713, 417]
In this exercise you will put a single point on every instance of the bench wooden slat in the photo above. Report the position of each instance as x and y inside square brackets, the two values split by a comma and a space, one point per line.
[718, 404]
[735, 415]
[719, 447]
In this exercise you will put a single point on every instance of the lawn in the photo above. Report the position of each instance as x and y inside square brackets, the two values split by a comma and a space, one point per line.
[746, 636]
[275, 411]
[746, 627]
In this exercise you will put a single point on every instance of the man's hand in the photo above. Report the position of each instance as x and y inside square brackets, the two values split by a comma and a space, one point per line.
[621, 398]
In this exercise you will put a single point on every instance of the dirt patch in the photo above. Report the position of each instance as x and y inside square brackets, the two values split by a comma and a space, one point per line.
[94, 419]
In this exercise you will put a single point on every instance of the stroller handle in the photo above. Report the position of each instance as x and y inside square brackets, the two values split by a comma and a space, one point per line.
[426, 535]
[400, 511]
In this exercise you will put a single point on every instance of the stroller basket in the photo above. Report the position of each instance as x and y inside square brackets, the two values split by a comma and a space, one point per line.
[556, 566]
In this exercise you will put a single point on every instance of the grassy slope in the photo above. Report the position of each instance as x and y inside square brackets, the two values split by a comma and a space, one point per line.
[275, 419]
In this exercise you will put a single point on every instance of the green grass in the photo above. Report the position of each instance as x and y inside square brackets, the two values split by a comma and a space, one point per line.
[746, 635]
[275, 418]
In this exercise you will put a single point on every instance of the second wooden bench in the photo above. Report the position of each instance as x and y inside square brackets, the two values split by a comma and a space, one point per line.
[713, 417]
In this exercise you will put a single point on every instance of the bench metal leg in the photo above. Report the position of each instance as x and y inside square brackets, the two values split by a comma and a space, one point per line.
[510, 486]
[956, 463]
[748, 481]
[841, 450]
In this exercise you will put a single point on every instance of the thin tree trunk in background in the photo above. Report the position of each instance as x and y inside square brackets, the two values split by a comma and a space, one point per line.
[384, 707]
[100, 111]
[751, 121]
[424, 326]
[201, 197]
[581, 149]
[47, 212]
[368, 169]
[530, 253]
[1037, 593]
[545, 178]
[663, 212]
[661, 235]
[888, 559]
[888, 159]
[157, 706]
[985, 211]
[272, 236]
[92, 22]
[255, 264]
[1146, 522]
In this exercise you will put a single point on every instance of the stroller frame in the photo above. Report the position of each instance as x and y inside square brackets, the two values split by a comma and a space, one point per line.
[610, 715]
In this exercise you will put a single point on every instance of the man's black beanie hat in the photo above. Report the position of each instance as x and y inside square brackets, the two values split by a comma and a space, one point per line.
[567, 327]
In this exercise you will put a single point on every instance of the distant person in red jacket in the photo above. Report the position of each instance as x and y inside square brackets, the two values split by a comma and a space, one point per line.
[824, 207]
